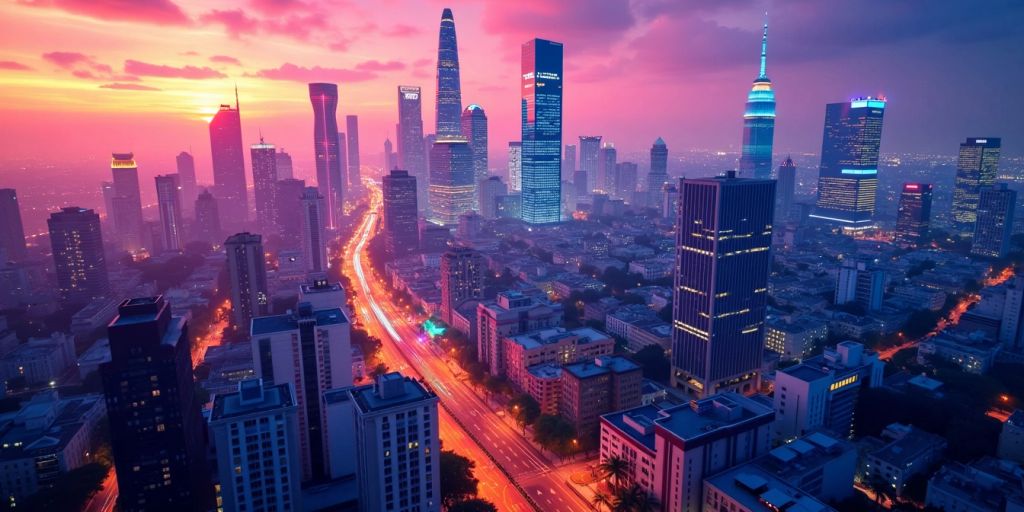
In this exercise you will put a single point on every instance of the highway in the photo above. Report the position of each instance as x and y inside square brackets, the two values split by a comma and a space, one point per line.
[468, 425]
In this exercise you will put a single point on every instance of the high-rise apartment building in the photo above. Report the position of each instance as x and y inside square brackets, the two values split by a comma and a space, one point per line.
[264, 179]
[247, 275]
[207, 224]
[448, 102]
[976, 168]
[590, 155]
[390, 158]
[157, 434]
[186, 166]
[568, 161]
[355, 182]
[474, 129]
[229, 165]
[848, 177]
[462, 278]
[12, 233]
[127, 201]
[452, 185]
[658, 175]
[327, 150]
[288, 203]
[314, 237]
[785, 189]
[625, 182]
[168, 201]
[515, 166]
[759, 123]
[914, 215]
[994, 224]
[606, 168]
[723, 258]
[78, 255]
[412, 154]
[541, 88]
[401, 229]
[488, 191]
[284, 165]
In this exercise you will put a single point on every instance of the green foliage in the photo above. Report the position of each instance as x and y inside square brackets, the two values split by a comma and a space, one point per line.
[457, 480]
[655, 364]
[554, 433]
[74, 489]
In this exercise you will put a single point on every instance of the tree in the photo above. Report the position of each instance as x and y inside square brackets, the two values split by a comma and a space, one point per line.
[615, 468]
[602, 500]
[457, 480]
[378, 370]
[655, 364]
[554, 433]
[627, 499]
[73, 489]
[473, 505]
[524, 409]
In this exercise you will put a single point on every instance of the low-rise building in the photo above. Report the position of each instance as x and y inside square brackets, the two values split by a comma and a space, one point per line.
[987, 485]
[512, 312]
[558, 345]
[593, 388]
[794, 339]
[1011, 439]
[973, 353]
[40, 361]
[544, 384]
[909, 451]
[95, 315]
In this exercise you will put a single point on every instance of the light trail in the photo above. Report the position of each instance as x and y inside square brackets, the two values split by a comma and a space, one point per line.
[357, 264]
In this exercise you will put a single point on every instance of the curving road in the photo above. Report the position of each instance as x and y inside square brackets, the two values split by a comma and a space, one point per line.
[467, 424]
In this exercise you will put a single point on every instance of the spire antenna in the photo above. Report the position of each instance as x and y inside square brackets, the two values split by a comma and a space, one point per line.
[236, 83]
[764, 48]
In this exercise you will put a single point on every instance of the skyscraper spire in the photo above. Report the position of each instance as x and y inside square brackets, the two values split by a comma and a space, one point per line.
[764, 48]
[236, 88]
[448, 102]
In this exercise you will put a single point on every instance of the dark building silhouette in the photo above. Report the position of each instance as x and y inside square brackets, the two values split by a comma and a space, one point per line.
[186, 166]
[355, 185]
[229, 165]
[12, 232]
[326, 149]
[474, 129]
[168, 201]
[994, 226]
[976, 168]
[401, 229]
[914, 215]
[247, 275]
[785, 189]
[264, 179]
[288, 201]
[78, 255]
[207, 224]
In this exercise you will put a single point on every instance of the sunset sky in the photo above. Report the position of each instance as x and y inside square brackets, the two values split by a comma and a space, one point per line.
[82, 78]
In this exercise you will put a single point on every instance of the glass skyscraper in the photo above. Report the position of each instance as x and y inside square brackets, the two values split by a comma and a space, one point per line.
[264, 180]
[914, 213]
[78, 257]
[848, 177]
[228, 154]
[449, 92]
[723, 258]
[452, 189]
[515, 166]
[976, 168]
[759, 123]
[590, 151]
[401, 230]
[994, 225]
[412, 155]
[168, 200]
[658, 175]
[355, 184]
[542, 131]
[329, 165]
[474, 129]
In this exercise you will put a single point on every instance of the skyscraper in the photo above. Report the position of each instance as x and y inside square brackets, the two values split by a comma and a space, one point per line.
[401, 229]
[759, 123]
[606, 168]
[314, 240]
[568, 161]
[207, 224]
[914, 215]
[288, 200]
[354, 180]
[247, 274]
[168, 201]
[590, 155]
[542, 131]
[474, 129]
[78, 255]
[449, 91]
[994, 224]
[284, 165]
[488, 191]
[229, 165]
[452, 190]
[412, 155]
[329, 178]
[658, 175]
[723, 259]
[625, 181]
[976, 168]
[187, 181]
[12, 233]
[157, 434]
[127, 202]
[462, 278]
[310, 349]
[785, 189]
[515, 166]
[848, 177]
[390, 161]
[264, 179]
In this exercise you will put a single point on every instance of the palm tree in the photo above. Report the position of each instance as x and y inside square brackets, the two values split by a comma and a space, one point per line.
[628, 498]
[602, 500]
[645, 502]
[615, 467]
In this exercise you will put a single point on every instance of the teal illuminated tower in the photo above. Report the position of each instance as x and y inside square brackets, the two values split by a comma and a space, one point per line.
[542, 131]
[759, 123]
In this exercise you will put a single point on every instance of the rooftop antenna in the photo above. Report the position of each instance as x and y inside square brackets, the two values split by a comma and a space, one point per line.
[236, 83]
[764, 47]
[261, 132]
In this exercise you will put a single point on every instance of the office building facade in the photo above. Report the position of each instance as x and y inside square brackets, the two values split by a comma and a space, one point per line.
[994, 224]
[541, 89]
[78, 257]
[412, 154]
[186, 167]
[785, 189]
[355, 183]
[314, 236]
[127, 201]
[488, 191]
[474, 129]
[207, 223]
[401, 229]
[976, 168]
[168, 201]
[247, 275]
[462, 278]
[327, 150]
[228, 154]
[914, 215]
[288, 210]
[452, 185]
[264, 179]
[590, 154]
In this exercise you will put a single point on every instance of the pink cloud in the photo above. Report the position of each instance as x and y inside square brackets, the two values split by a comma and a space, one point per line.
[128, 87]
[376, 65]
[402, 30]
[292, 72]
[237, 24]
[419, 63]
[84, 66]
[10, 65]
[66, 59]
[342, 44]
[162, 12]
[581, 24]
[225, 59]
[191, 72]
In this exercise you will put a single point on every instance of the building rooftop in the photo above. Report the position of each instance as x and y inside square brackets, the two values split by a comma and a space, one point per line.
[545, 371]
[756, 489]
[912, 444]
[538, 339]
[637, 423]
[290, 321]
[45, 424]
[711, 416]
[252, 397]
[390, 390]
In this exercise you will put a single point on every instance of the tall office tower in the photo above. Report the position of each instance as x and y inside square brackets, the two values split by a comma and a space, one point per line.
[569, 161]
[107, 189]
[314, 240]
[848, 177]
[462, 278]
[721, 279]
[229, 165]
[515, 166]
[264, 179]
[127, 204]
[488, 192]
[247, 273]
[785, 189]
[452, 189]
[168, 201]
[355, 182]
[343, 158]
[283, 161]
[658, 176]
[288, 200]
[78, 255]
[12, 233]
[590, 156]
[256, 434]
[994, 224]
[670, 201]
[401, 229]
[157, 434]
[542, 131]
[759, 123]
[449, 91]
[207, 225]
[329, 178]
[625, 181]
[412, 154]
[606, 168]
[187, 181]
[914, 215]
[474, 129]
[976, 167]
[579, 184]
[389, 156]
[310, 349]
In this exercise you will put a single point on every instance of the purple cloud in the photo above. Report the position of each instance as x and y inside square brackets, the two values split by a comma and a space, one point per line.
[292, 72]
[135, 67]
[160, 12]
[128, 87]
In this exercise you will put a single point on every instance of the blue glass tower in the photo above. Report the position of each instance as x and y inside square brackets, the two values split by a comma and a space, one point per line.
[449, 92]
[848, 177]
[759, 123]
[542, 131]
